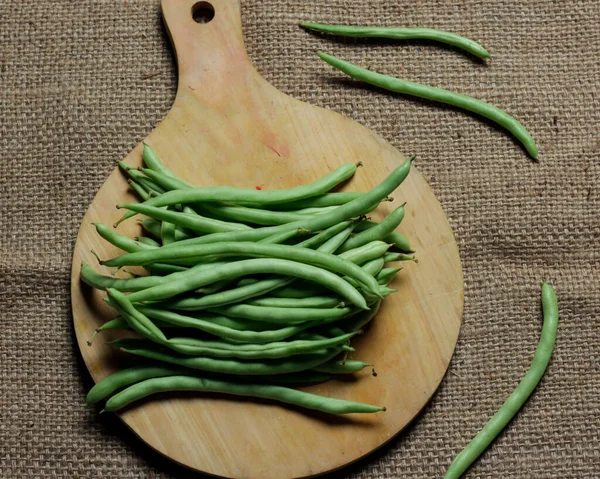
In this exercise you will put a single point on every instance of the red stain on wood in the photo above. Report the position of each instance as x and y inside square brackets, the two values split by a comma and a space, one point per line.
[276, 152]
[258, 187]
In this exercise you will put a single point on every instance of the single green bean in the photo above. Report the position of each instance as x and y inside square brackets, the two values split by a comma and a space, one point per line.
[167, 232]
[167, 182]
[393, 257]
[264, 391]
[151, 226]
[123, 242]
[311, 302]
[139, 189]
[126, 377]
[362, 254]
[319, 201]
[341, 367]
[243, 332]
[255, 216]
[437, 94]
[395, 238]
[117, 323]
[515, 401]
[186, 220]
[282, 315]
[386, 275]
[379, 232]
[153, 161]
[147, 241]
[396, 33]
[229, 366]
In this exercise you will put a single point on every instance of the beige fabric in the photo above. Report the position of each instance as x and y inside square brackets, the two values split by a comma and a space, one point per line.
[82, 82]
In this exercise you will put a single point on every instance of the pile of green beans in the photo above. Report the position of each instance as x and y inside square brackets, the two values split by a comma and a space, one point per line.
[248, 292]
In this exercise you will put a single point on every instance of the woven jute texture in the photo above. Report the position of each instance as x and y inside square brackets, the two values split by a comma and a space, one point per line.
[82, 82]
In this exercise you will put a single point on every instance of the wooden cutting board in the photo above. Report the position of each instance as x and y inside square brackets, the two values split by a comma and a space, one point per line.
[228, 126]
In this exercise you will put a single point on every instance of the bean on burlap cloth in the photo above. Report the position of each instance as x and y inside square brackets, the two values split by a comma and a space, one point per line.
[82, 82]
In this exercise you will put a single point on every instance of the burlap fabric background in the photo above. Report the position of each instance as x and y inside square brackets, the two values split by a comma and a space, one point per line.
[83, 82]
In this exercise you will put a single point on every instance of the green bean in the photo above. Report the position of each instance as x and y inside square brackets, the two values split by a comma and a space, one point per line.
[279, 238]
[341, 367]
[228, 366]
[313, 211]
[313, 223]
[152, 160]
[168, 183]
[332, 244]
[362, 254]
[361, 319]
[437, 94]
[117, 323]
[196, 347]
[264, 391]
[386, 275]
[136, 320]
[147, 241]
[393, 257]
[379, 232]
[311, 302]
[318, 201]
[234, 195]
[151, 226]
[371, 267]
[251, 266]
[139, 189]
[515, 401]
[222, 326]
[167, 232]
[395, 238]
[303, 377]
[402, 34]
[303, 289]
[223, 298]
[150, 186]
[282, 315]
[292, 253]
[126, 377]
[120, 241]
[186, 220]
[243, 214]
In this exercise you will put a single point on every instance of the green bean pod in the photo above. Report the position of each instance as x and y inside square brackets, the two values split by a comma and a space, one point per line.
[264, 391]
[397, 33]
[282, 315]
[379, 232]
[437, 94]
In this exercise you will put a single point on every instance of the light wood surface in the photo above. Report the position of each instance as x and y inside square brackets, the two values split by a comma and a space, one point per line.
[228, 126]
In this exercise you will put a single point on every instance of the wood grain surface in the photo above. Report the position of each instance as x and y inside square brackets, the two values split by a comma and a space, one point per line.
[228, 126]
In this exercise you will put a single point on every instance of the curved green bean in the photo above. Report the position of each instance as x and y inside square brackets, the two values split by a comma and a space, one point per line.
[147, 241]
[136, 320]
[397, 33]
[386, 275]
[282, 315]
[437, 94]
[341, 367]
[264, 391]
[318, 201]
[515, 401]
[153, 161]
[139, 189]
[126, 377]
[395, 238]
[379, 232]
[223, 327]
[367, 252]
[255, 216]
[311, 302]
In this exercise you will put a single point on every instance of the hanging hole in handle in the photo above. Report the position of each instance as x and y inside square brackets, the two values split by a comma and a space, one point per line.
[203, 12]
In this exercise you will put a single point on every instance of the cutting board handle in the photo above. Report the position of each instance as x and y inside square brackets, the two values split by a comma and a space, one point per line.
[209, 48]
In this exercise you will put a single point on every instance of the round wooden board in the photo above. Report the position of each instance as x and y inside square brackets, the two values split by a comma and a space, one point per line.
[229, 127]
